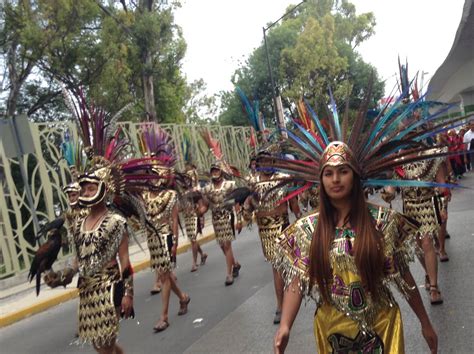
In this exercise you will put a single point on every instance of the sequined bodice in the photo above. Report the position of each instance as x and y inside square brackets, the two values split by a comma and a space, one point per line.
[347, 293]
[160, 207]
[96, 248]
[216, 196]
[266, 198]
[424, 170]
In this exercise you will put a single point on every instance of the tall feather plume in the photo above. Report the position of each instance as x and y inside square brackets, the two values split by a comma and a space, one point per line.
[212, 144]
[252, 111]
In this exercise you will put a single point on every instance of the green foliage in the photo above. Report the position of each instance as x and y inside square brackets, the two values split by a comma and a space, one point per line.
[309, 50]
[98, 45]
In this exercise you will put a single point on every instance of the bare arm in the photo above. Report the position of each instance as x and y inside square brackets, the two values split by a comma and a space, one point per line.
[416, 304]
[291, 305]
[202, 206]
[175, 223]
[127, 275]
[294, 207]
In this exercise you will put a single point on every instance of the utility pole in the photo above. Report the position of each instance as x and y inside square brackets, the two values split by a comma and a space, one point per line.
[277, 105]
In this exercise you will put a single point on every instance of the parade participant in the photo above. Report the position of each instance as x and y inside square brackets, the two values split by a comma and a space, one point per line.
[161, 203]
[350, 250]
[188, 205]
[47, 253]
[223, 217]
[419, 204]
[271, 215]
[100, 239]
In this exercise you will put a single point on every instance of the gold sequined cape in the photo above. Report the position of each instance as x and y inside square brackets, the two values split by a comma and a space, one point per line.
[222, 217]
[353, 321]
[266, 198]
[159, 209]
[420, 203]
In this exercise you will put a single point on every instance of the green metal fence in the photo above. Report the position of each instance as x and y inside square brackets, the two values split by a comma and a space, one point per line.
[47, 173]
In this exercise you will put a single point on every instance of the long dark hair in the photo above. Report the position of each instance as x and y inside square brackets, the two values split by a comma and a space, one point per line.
[367, 248]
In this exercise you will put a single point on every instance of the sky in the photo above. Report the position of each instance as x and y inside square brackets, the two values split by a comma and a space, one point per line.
[221, 33]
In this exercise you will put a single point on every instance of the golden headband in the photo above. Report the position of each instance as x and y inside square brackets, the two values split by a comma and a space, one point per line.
[338, 153]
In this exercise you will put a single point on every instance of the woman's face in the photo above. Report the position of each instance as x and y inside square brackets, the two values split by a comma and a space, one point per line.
[88, 190]
[337, 181]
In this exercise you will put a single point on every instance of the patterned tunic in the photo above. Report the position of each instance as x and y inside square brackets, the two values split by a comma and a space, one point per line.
[98, 278]
[353, 321]
[269, 227]
[159, 209]
[222, 217]
[191, 219]
[420, 203]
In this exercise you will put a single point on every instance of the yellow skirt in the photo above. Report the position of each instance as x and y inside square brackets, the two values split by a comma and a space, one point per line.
[337, 333]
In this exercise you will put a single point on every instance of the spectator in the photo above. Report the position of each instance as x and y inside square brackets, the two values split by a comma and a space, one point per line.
[468, 139]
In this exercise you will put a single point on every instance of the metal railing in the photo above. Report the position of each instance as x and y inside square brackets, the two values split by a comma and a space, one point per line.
[48, 172]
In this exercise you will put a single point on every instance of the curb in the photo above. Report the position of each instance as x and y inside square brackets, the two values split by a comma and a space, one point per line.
[70, 294]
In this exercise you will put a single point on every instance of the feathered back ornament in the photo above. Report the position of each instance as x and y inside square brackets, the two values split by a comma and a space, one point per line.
[219, 161]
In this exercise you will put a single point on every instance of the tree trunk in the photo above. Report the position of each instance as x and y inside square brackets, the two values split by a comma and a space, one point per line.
[14, 80]
[149, 94]
[147, 63]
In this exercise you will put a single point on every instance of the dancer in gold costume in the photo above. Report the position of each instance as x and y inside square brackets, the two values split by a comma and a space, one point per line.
[188, 203]
[346, 255]
[161, 203]
[271, 215]
[223, 219]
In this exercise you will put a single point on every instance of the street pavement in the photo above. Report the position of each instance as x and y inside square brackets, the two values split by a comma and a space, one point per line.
[238, 318]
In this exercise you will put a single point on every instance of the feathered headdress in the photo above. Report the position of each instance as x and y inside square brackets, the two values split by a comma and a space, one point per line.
[254, 116]
[392, 139]
[219, 161]
[106, 149]
[73, 154]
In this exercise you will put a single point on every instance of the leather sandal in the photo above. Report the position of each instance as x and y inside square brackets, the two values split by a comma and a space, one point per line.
[277, 318]
[203, 258]
[229, 280]
[235, 270]
[443, 257]
[155, 291]
[161, 326]
[194, 268]
[183, 306]
[438, 300]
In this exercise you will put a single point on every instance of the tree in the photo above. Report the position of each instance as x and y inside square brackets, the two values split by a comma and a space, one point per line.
[200, 108]
[103, 46]
[311, 49]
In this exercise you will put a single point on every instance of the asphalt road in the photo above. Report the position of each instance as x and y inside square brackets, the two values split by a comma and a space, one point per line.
[238, 319]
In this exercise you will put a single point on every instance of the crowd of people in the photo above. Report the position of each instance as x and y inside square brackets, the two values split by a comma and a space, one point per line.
[344, 252]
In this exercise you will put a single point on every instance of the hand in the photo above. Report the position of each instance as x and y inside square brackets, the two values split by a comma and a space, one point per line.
[281, 340]
[444, 216]
[239, 227]
[52, 279]
[127, 306]
[174, 249]
[430, 337]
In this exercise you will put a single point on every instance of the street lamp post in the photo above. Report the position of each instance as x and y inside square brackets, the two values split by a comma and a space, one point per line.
[277, 105]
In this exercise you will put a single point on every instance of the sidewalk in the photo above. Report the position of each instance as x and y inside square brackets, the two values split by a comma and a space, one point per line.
[20, 301]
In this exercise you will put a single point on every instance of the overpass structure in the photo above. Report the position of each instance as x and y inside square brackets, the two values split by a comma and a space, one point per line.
[454, 79]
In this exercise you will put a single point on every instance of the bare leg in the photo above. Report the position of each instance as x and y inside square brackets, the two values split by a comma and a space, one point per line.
[111, 349]
[279, 288]
[431, 266]
[177, 290]
[442, 243]
[157, 284]
[194, 249]
[165, 295]
[229, 258]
